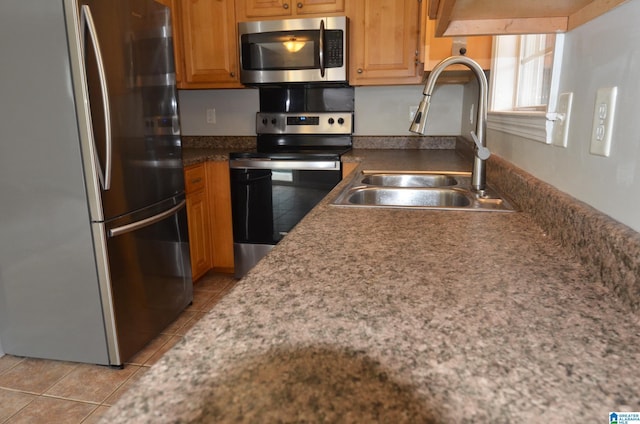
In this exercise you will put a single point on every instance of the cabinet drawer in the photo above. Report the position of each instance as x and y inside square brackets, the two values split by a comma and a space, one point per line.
[194, 178]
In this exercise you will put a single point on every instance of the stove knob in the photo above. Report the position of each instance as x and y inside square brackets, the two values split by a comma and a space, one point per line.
[331, 121]
[274, 121]
[340, 121]
[264, 121]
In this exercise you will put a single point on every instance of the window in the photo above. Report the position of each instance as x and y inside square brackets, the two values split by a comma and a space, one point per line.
[534, 71]
[524, 84]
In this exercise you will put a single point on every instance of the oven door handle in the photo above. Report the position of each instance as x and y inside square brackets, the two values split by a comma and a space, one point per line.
[304, 165]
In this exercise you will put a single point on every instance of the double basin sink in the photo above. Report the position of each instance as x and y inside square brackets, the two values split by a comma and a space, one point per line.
[419, 190]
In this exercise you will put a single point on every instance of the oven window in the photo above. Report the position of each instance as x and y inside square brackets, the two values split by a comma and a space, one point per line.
[267, 204]
[272, 51]
[295, 193]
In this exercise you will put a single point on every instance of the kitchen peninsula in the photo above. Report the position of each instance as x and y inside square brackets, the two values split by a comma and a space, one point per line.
[390, 315]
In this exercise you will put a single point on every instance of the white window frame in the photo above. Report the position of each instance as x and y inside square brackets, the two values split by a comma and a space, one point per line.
[530, 124]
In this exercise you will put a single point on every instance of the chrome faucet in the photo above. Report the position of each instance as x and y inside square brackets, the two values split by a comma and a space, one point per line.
[478, 175]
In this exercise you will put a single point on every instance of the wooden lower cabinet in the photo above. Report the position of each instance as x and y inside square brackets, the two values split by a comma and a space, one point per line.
[208, 191]
[198, 218]
[219, 192]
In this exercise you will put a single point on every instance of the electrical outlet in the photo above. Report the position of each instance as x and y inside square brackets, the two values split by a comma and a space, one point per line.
[560, 133]
[211, 116]
[603, 116]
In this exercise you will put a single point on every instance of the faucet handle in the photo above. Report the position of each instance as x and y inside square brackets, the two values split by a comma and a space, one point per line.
[483, 153]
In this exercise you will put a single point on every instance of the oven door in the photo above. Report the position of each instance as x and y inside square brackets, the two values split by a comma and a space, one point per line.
[293, 51]
[269, 197]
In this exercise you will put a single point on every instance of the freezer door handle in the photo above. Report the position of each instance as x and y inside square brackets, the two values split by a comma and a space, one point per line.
[104, 175]
[118, 231]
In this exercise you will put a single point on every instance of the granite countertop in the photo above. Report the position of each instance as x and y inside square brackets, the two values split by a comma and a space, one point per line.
[389, 315]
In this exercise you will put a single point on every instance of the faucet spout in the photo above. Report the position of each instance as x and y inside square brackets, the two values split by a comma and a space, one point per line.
[478, 175]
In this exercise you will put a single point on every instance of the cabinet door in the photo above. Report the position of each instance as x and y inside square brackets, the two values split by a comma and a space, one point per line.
[385, 42]
[248, 10]
[309, 7]
[199, 243]
[219, 188]
[210, 44]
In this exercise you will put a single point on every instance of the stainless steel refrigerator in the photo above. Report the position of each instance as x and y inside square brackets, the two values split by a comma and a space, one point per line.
[94, 256]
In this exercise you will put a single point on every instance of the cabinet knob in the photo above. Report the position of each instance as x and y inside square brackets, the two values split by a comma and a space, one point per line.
[232, 74]
[285, 5]
[300, 5]
[359, 70]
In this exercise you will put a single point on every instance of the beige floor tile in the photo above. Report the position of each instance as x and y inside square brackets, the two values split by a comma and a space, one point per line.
[11, 402]
[96, 415]
[126, 386]
[147, 352]
[35, 375]
[9, 361]
[46, 410]
[164, 349]
[214, 282]
[91, 383]
[175, 326]
[211, 303]
[185, 328]
[200, 299]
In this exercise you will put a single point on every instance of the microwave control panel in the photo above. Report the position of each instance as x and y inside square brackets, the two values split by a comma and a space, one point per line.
[304, 123]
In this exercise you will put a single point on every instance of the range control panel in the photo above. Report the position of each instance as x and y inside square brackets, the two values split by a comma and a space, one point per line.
[304, 123]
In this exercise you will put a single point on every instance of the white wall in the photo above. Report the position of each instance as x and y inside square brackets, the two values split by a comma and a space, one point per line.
[378, 110]
[602, 53]
[385, 110]
[235, 111]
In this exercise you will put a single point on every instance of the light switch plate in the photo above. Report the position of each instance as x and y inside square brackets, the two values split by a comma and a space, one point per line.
[560, 133]
[603, 116]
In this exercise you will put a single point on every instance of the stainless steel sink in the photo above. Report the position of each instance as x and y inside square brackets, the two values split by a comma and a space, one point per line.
[409, 180]
[374, 196]
[419, 190]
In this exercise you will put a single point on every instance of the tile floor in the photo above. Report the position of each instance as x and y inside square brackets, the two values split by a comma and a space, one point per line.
[43, 391]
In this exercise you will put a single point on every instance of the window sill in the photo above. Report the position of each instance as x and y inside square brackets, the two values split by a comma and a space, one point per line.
[532, 125]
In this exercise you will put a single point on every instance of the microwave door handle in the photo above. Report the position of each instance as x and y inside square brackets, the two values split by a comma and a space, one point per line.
[321, 49]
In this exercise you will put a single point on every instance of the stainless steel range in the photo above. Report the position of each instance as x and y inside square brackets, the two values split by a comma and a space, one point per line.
[301, 134]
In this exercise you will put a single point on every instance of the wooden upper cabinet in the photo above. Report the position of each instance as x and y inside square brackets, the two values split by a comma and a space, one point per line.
[308, 7]
[385, 42]
[248, 10]
[494, 17]
[209, 44]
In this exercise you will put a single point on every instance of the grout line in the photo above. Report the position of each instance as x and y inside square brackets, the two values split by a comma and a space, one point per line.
[88, 402]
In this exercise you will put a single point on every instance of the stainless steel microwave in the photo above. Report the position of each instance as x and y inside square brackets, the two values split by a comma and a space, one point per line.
[294, 51]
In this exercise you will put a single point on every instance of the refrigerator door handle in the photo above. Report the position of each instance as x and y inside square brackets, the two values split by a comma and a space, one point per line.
[104, 175]
[118, 231]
